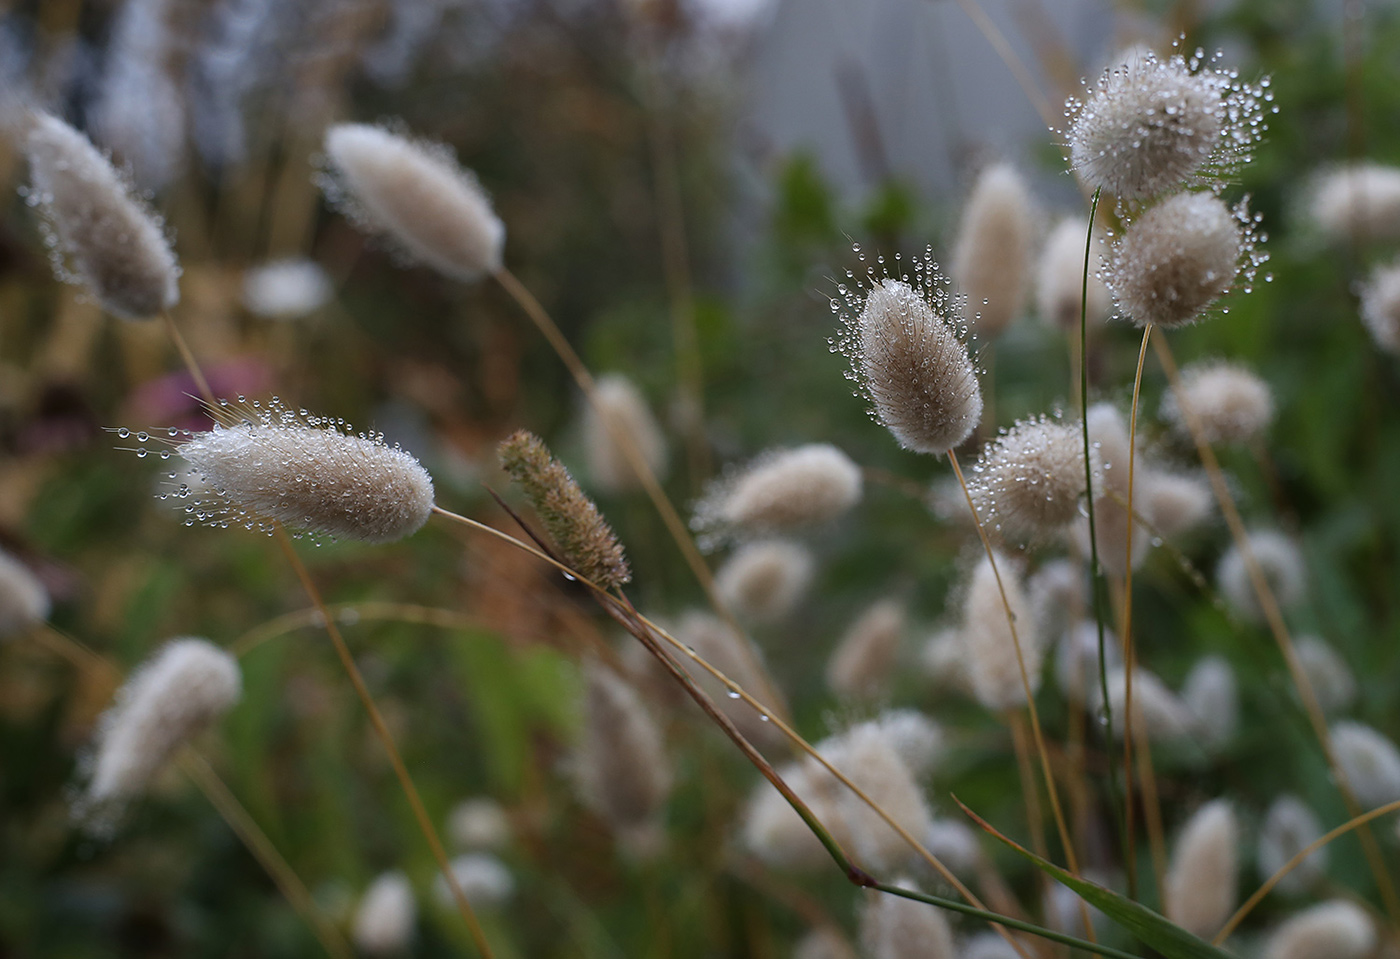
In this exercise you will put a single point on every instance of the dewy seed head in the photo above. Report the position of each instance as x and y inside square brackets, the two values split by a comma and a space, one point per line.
[909, 359]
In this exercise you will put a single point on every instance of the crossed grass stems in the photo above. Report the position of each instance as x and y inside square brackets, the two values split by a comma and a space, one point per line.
[652, 637]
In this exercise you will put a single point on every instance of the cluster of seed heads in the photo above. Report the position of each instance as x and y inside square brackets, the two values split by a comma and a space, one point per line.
[1151, 126]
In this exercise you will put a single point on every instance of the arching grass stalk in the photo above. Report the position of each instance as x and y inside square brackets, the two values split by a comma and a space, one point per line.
[645, 475]
[1096, 570]
[1274, 617]
[381, 730]
[1127, 633]
[1356, 822]
[259, 846]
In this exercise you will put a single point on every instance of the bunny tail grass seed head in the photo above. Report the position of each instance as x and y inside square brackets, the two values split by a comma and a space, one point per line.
[1380, 306]
[1158, 713]
[479, 824]
[1359, 202]
[269, 464]
[991, 258]
[1060, 276]
[909, 359]
[1284, 570]
[418, 195]
[618, 407]
[1231, 404]
[1077, 662]
[1211, 696]
[917, 739]
[484, 880]
[572, 520]
[774, 833]
[1370, 762]
[1175, 503]
[23, 600]
[863, 660]
[384, 919]
[1173, 262]
[1150, 126]
[101, 236]
[1029, 480]
[620, 765]
[1108, 433]
[989, 647]
[892, 927]
[739, 659]
[1331, 678]
[286, 289]
[954, 844]
[1201, 881]
[781, 490]
[822, 944]
[1336, 929]
[171, 698]
[764, 581]
[1289, 828]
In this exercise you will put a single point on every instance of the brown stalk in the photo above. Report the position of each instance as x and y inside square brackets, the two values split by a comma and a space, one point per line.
[1274, 617]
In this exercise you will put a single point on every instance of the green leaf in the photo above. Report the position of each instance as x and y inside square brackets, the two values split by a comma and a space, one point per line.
[1153, 929]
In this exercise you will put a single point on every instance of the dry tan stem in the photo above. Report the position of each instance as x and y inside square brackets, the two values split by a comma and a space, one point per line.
[185, 355]
[1274, 616]
[381, 730]
[625, 442]
[1152, 814]
[1127, 631]
[1030, 792]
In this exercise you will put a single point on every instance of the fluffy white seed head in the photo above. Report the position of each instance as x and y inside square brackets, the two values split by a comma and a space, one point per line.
[1370, 762]
[764, 581]
[1380, 306]
[989, 646]
[385, 916]
[1358, 203]
[822, 944]
[1059, 289]
[171, 698]
[1201, 881]
[955, 845]
[1150, 126]
[781, 490]
[1173, 262]
[992, 255]
[1331, 678]
[484, 880]
[1231, 404]
[917, 739]
[892, 927]
[1058, 597]
[286, 289]
[1175, 503]
[863, 660]
[620, 766]
[1157, 711]
[618, 407]
[911, 362]
[1284, 570]
[1212, 698]
[1289, 828]
[774, 833]
[739, 659]
[304, 472]
[941, 660]
[1077, 662]
[479, 824]
[866, 754]
[1336, 929]
[418, 195]
[23, 599]
[102, 237]
[1029, 480]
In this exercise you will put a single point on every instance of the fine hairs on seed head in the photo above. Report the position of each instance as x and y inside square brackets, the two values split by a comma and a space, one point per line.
[991, 257]
[1380, 306]
[1370, 762]
[1202, 879]
[270, 464]
[763, 581]
[1152, 125]
[415, 193]
[385, 916]
[1290, 826]
[1356, 202]
[1059, 280]
[102, 237]
[171, 698]
[892, 927]
[1284, 570]
[861, 664]
[988, 643]
[1335, 929]
[23, 600]
[1230, 403]
[908, 358]
[1174, 261]
[1029, 480]
[617, 406]
[780, 490]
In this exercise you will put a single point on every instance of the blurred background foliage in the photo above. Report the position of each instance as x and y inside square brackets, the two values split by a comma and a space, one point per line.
[559, 107]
